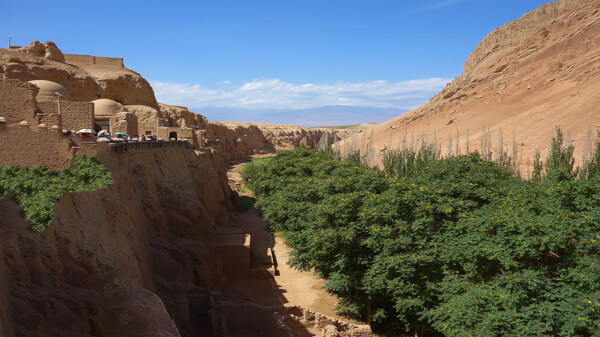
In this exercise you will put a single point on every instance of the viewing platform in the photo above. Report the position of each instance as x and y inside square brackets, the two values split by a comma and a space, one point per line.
[129, 146]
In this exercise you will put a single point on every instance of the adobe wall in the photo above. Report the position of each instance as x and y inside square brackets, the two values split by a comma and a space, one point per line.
[124, 122]
[76, 59]
[50, 120]
[74, 115]
[143, 127]
[17, 101]
[77, 115]
[25, 147]
[182, 133]
[84, 146]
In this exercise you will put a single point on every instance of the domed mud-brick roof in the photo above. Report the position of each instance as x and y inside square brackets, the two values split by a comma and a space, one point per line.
[105, 107]
[48, 90]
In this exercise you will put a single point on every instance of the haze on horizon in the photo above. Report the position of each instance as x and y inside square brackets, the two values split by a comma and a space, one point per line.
[272, 61]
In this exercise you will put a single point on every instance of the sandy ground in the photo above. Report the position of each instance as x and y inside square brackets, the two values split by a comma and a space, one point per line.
[303, 288]
[291, 285]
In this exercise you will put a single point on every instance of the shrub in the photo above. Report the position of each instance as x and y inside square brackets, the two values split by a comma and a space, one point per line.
[560, 162]
[457, 247]
[38, 188]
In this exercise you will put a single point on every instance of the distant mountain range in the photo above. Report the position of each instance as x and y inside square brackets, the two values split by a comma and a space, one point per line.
[323, 116]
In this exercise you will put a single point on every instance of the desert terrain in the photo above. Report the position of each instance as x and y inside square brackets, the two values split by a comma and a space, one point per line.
[167, 250]
[522, 81]
[163, 251]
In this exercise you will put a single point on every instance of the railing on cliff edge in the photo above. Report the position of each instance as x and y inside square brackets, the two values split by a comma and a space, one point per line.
[123, 147]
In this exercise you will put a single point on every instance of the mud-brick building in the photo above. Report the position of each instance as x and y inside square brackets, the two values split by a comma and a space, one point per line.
[55, 107]
[31, 131]
[114, 116]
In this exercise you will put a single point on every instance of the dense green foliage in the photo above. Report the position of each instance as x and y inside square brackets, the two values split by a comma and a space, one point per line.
[38, 188]
[409, 161]
[459, 247]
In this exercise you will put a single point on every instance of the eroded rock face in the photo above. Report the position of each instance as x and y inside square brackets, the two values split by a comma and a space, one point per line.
[118, 261]
[123, 85]
[242, 139]
[291, 136]
[145, 114]
[524, 78]
[180, 115]
[238, 141]
[85, 82]
[34, 48]
[123, 260]
[48, 50]
[53, 53]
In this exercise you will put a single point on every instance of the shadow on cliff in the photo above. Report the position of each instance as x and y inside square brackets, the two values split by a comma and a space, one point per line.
[119, 261]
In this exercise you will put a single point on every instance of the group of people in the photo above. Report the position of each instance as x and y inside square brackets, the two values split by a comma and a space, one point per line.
[81, 134]
[142, 138]
[106, 134]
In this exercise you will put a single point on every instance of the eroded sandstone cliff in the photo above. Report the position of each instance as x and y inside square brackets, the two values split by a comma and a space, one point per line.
[239, 140]
[84, 81]
[119, 261]
[525, 78]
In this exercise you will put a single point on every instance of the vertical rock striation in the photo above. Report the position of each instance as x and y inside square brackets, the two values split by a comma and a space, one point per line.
[118, 261]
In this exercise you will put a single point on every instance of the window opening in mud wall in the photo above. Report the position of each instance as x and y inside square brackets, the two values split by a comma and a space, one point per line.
[173, 135]
[101, 125]
[148, 133]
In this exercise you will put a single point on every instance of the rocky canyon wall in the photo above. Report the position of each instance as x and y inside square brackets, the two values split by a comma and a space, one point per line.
[130, 259]
[119, 261]
[239, 140]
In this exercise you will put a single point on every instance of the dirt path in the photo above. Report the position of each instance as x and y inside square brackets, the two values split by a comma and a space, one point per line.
[290, 286]
[303, 288]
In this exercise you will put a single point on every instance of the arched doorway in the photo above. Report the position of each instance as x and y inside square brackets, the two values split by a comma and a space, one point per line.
[172, 135]
[101, 124]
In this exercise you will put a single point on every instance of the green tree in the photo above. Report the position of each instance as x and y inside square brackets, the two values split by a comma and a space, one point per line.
[458, 247]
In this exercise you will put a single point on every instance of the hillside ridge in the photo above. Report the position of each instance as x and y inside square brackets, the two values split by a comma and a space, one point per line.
[524, 79]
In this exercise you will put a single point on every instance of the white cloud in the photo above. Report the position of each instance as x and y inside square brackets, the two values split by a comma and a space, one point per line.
[438, 5]
[277, 94]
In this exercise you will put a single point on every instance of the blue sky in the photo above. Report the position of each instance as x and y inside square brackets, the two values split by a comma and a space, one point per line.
[263, 54]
